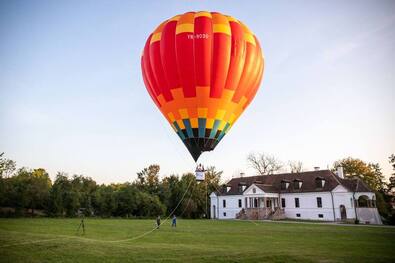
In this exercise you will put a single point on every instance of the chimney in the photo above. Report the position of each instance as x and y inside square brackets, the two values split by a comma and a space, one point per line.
[316, 168]
[340, 172]
[242, 175]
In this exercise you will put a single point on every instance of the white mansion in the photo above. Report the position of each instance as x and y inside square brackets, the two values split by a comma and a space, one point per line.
[315, 195]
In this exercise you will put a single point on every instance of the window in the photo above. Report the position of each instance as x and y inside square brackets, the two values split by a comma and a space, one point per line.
[228, 188]
[239, 202]
[283, 202]
[351, 202]
[319, 182]
[319, 202]
[297, 215]
[320, 215]
[224, 203]
[284, 185]
[297, 184]
[253, 190]
[296, 202]
[224, 213]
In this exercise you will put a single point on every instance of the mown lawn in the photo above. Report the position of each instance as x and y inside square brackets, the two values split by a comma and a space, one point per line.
[113, 240]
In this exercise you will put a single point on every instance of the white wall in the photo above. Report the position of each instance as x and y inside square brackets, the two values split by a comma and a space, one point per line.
[231, 209]
[342, 197]
[308, 206]
[213, 207]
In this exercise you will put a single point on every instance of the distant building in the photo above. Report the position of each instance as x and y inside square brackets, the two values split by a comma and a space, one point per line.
[315, 195]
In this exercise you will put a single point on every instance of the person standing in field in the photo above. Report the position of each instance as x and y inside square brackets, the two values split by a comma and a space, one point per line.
[157, 222]
[174, 221]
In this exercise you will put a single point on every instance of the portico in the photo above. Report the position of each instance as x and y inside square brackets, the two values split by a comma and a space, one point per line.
[256, 197]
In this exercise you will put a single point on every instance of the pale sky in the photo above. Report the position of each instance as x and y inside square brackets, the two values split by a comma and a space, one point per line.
[72, 97]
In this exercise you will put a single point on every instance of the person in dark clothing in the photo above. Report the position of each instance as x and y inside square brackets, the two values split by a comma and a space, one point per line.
[157, 222]
[174, 221]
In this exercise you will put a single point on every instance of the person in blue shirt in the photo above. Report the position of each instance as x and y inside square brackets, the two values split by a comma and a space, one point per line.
[174, 221]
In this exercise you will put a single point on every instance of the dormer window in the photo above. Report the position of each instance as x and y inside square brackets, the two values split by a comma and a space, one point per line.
[241, 187]
[319, 182]
[297, 184]
[284, 185]
[228, 188]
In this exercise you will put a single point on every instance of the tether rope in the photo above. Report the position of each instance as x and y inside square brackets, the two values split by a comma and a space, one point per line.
[155, 228]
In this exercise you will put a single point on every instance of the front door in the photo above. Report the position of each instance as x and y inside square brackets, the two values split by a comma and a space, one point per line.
[343, 212]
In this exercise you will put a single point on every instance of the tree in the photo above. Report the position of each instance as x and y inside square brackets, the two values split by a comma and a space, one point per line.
[38, 189]
[126, 200]
[104, 201]
[370, 173]
[149, 205]
[64, 197]
[391, 184]
[17, 194]
[56, 203]
[84, 187]
[295, 166]
[27, 189]
[192, 206]
[148, 179]
[212, 177]
[171, 190]
[264, 164]
[7, 166]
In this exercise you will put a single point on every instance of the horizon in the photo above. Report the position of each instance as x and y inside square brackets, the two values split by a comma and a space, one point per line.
[72, 97]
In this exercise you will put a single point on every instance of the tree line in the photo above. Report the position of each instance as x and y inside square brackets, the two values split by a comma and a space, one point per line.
[26, 191]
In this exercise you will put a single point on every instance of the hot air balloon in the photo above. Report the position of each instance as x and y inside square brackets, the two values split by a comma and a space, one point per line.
[202, 70]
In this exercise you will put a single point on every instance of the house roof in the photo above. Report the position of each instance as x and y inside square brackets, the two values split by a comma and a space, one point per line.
[355, 185]
[266, 187]
[272, 183]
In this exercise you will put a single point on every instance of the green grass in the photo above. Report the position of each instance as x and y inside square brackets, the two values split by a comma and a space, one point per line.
[111, 240]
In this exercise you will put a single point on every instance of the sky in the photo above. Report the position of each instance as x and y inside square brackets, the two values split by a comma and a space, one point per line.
[72, 97]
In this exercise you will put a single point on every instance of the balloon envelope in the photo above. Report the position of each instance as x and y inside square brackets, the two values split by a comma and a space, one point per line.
[202, 70]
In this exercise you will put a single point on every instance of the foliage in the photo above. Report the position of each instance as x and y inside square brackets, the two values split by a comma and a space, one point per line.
[391, 184]
[370, 173]
[70, 196]
[148, 179]
[7, 166]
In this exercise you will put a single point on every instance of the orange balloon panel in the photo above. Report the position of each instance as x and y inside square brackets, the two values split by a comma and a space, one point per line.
[202, 69]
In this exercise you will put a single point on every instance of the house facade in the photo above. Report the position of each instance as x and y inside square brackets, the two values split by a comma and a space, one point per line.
[315, 195]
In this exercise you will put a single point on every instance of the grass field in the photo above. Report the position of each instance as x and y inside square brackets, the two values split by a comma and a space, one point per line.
[111, 240]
